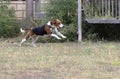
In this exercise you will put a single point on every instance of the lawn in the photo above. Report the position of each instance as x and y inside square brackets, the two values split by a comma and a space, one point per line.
[86, 60]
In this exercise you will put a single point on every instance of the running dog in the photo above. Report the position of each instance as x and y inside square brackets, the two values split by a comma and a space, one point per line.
[49, 29]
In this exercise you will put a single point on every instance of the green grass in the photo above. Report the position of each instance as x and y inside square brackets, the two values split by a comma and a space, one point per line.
[84, 60]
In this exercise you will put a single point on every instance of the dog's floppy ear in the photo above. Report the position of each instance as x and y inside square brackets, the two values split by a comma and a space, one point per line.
[53, 22]
[56, 22]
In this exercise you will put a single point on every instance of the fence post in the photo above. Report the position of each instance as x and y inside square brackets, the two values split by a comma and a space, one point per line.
[37, 8]
[79, 21]
[29, 9]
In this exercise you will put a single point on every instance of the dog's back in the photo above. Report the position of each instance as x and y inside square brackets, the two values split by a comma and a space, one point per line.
[39, 30]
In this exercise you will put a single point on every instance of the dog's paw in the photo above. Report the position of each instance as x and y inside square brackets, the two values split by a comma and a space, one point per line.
[59, 38]
[34, 45]
[64, 37]
[20, 45]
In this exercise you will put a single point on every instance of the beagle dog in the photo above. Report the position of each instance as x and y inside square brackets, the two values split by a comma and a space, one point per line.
[49, 29]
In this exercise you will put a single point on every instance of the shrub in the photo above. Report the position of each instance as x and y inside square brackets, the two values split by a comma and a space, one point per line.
[67, 12]
[71, 32]
[63, 9]
[8, 21]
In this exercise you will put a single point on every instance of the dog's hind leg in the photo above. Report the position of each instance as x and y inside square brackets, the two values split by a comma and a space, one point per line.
[23, 40]
[34, 39]
[26, 37]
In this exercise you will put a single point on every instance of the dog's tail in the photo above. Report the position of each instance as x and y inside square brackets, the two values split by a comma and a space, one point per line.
[22, 31]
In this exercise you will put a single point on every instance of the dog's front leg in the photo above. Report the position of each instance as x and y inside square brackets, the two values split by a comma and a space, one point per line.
[59, 34]
[54, 35]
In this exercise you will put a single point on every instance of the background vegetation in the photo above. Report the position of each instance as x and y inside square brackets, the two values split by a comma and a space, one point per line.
[8, 21]
[67, 12]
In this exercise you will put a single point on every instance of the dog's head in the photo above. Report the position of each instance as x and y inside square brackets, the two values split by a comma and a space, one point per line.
[55, 23]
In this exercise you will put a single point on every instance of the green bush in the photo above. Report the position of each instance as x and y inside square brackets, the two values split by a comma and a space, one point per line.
[67, 12]
[63, 9]
[8, 21]
[71, 32]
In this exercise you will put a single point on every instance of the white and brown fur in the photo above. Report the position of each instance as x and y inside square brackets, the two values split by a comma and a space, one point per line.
[50, 29]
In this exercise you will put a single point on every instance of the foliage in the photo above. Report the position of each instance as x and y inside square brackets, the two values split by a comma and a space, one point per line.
[99, 31]
[71, 32]
[8, 21]
[107, 31]
[67, 12]
[63, 9]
